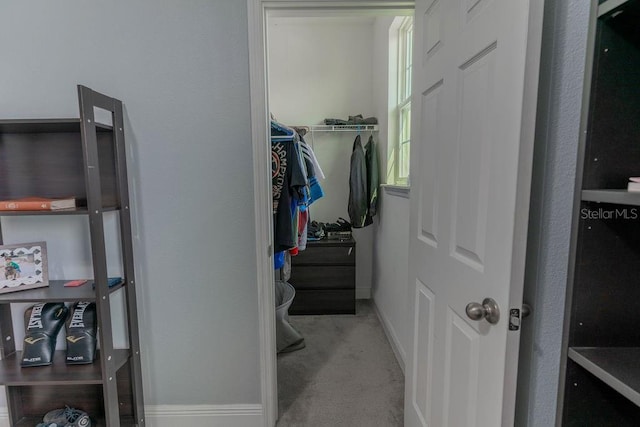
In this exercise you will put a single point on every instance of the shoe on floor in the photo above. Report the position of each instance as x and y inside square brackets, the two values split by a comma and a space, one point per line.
[66, 417]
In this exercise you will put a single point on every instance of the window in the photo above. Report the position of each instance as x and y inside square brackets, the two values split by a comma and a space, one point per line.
[401, 147]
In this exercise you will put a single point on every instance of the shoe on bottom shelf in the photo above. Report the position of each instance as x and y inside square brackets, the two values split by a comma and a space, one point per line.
[67, 417]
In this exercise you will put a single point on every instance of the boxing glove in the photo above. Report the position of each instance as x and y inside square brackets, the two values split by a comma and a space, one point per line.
[43, 322]
[82, 328]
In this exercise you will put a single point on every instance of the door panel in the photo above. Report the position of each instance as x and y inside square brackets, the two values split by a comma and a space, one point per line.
[461, 372]
[472, 163]
[421, 381]
[433, 36]
[429, 180]
[467, 115]
[473, 7]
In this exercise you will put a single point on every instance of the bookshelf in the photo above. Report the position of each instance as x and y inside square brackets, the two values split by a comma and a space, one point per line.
[57, 158]
[600, 373]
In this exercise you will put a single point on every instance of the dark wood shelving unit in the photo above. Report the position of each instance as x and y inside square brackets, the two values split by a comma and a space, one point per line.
[81, 158]
[600, 366]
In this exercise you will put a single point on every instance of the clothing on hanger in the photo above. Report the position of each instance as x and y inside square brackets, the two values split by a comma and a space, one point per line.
[373, 180]
[308, 152]
[288, 187]
[358, 202]
[315, 189]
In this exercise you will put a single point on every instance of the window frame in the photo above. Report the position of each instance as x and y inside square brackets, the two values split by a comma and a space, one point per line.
[402, 137]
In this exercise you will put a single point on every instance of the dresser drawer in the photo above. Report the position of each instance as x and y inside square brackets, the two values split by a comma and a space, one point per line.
[324, 302]
[325, 255]
[323, 277]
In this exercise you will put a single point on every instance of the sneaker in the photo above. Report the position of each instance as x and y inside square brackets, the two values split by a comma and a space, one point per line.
[67, 417]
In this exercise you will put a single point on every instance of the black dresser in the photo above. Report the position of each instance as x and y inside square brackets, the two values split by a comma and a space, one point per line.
[324, 276]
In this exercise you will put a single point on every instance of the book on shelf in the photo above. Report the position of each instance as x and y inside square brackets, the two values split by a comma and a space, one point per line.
[37, 204]
[634, 184]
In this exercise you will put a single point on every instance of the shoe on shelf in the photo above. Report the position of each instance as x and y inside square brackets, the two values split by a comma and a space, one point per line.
[343, 224]
[340, 225]
[67, 417]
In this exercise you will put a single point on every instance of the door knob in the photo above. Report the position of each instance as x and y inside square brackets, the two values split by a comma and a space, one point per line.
[526, 310]
[488, 310]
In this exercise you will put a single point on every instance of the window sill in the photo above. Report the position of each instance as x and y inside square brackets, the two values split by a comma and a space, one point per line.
[397, 190]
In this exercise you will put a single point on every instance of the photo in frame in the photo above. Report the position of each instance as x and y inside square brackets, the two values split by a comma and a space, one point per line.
[23, 266]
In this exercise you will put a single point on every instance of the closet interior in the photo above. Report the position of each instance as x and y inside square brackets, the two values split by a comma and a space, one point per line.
[329, 97]
[321, 83]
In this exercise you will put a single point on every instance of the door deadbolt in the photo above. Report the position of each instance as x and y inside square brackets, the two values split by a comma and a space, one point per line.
[487, 310]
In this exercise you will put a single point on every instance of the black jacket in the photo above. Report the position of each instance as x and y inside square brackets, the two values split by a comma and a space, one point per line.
[373, 180]
[358, 202]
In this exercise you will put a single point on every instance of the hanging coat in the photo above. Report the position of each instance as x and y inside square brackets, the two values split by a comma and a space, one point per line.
[358, 202]
[373, 180]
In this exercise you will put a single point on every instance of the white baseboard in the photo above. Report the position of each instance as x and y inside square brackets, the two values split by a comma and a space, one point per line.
[390, 332]
[197, 415]
[363, 293]
[244, 415]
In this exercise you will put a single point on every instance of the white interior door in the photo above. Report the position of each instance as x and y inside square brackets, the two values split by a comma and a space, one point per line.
[470, 177]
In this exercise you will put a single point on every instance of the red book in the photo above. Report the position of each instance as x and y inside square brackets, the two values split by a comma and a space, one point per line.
[37, 204]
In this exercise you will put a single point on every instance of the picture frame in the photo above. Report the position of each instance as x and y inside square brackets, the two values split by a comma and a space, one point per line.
[23, 266]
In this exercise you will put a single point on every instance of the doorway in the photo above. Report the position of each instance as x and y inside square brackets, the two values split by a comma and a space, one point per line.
[260, 14]
[488, 41]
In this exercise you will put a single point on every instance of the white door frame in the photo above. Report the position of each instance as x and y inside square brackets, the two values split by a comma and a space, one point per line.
[523, 195]
[257, 14]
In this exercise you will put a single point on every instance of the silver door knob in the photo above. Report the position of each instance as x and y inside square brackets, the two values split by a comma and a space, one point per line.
[487, 310]
[526, 310]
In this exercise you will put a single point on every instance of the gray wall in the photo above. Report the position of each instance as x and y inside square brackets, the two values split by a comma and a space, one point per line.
[181, 68]
[557, 134]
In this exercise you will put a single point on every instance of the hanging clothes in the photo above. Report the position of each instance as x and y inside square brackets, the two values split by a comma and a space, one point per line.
[308, 152]
[373, 180]
[288, 185]
[313, 169]
[358, 202]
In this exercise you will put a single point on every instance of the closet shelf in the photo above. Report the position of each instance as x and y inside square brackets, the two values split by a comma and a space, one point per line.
[609, 5]
[22, 126]
[621, 197]
[342, 128]
[58, 373]
[616, 366]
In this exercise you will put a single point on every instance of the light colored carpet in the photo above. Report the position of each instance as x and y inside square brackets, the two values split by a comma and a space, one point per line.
[346, 375]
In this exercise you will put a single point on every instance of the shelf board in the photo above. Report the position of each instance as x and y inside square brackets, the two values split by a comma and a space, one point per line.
[55, 292]
[58, 373]
[46, 126]
[343, 128]
[73, 211]
[619, 197]
[608, 6]
[32, 421]
[618, 367]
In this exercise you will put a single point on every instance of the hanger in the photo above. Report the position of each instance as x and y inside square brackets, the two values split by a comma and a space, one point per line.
[280, 132]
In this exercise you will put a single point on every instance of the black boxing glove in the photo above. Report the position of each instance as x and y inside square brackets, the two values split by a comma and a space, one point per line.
[82, 327]
[43, 322]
